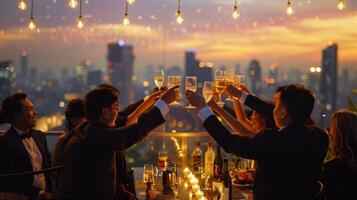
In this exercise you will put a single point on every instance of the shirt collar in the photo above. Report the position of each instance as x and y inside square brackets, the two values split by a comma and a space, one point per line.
[20, 132]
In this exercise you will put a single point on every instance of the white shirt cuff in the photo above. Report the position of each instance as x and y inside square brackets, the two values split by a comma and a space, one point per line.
[204, 113]
[243, 97]
[163, 107]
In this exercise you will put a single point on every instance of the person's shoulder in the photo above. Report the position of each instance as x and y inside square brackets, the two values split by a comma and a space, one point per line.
[268, 133]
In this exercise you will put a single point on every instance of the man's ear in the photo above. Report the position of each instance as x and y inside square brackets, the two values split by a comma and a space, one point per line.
[105, 113]
[283, 113]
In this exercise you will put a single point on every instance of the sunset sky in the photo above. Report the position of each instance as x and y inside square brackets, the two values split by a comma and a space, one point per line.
[263, 31]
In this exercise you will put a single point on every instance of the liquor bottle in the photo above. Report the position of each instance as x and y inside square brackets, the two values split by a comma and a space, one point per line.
[218, 162]
[227, 182]
[196, 158]
[209, 160]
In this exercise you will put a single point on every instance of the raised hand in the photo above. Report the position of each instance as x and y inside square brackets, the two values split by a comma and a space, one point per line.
[170, 95]
[195, 99]
[233, 91]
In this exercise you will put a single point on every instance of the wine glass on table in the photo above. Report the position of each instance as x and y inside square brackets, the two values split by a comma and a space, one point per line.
[207, 90]
[162, 160]
[191, 84]
[148, 178]
[173, 81]
[159, 78]
[220, 84]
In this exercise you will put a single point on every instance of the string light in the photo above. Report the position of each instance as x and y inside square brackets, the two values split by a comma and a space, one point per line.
[126, 20]
[341, 4]
[22, 5]
[290, 9]
[179, 18]
[235, 11]
[73, 3]
[131, 1]
[32, 24]
[80, 17]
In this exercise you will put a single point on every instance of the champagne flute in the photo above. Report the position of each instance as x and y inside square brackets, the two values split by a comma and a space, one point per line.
[148, 175]
[207, 90]
[162, 160]
[173, 81]
[159, 78]
[191, 84]
[220, 84]
[229, 80]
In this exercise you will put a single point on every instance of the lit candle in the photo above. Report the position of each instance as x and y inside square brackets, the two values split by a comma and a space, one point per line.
[199, 194]
[195, 188]
[186, 171]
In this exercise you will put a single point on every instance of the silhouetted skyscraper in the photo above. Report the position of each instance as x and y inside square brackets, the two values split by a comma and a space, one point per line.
[255, 75]
[120, 67]
[328, 86]
[193, 68]
[7, 78]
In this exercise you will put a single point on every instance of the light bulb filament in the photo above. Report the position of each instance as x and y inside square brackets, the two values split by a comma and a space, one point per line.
[126, 20]
[32, 24]
[73, 3]
[179, 18]
[22, 5]
[131, 1]
[341, 5]
[235, 14]
[290, 9]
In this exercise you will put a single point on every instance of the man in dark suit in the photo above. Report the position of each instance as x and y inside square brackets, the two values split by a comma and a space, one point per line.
[23, 149]
[289, 160]
[89, 166]
[127, 117]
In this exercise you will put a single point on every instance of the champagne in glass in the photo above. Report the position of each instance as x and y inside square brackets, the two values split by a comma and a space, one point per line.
[148, 175]
[229, 80]
[163, 160]
[191, 84]
[159, 78]
[220, 84]
[173, 81]
[207, 91]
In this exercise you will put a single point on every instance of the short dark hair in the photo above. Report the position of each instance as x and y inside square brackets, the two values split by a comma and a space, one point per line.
[98, 99]
[12, 106]
[108, 86]
[298, 101]
[75, 109]
[280, 89]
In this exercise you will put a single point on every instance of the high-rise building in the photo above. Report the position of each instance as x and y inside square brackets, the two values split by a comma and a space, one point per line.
[95, 77]
[120, 68]
[255, 75]
[328, 86]
[194, 67]
[313, 81]
[7, 78]
[23, 75]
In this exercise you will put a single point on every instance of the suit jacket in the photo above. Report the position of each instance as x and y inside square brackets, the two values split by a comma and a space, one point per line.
[289, 161]
[89, 166]
[15, 158]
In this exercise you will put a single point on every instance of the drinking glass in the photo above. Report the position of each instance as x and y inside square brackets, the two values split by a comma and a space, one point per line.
[162, 160]
[148, 175]
[173, 81]
[220, 84]
[191, 84]
[159, 78]
[229, 80]
[207, 90]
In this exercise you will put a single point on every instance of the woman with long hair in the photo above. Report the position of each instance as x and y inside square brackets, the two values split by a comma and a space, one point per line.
[340, 174]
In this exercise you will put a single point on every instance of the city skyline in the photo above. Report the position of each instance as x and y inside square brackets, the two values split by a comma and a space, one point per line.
[263, 32]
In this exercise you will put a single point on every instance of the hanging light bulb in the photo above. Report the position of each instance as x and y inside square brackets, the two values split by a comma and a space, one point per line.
[22, 5]
[73, 3]
[341, 4]
[131, 1]
[290, 9]
[32, 24]
[80, 22]
[179, 18]
[126, 20]
[235, 11]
